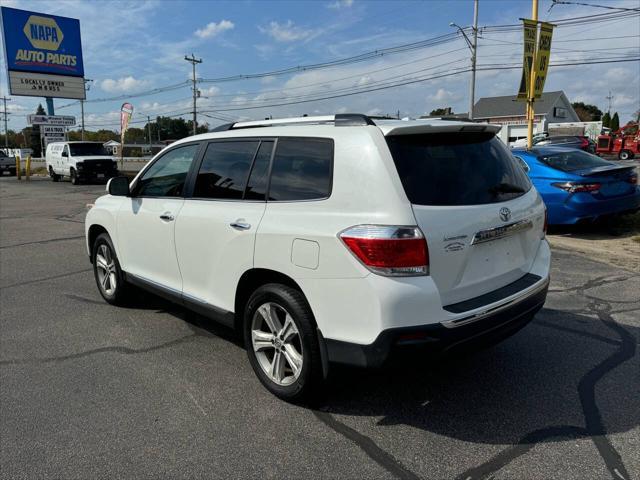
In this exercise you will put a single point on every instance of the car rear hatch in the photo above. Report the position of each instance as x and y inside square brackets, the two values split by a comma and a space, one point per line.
[481, 217]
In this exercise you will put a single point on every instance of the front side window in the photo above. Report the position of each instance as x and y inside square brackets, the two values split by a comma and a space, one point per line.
[456, 168]
[225, 169]
[302, 169]
[167, 175]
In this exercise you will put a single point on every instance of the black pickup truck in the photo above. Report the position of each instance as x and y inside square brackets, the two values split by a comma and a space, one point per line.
[7, 164]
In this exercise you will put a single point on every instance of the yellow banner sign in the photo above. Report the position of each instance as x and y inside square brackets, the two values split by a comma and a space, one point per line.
[542, 58]
[530, 34]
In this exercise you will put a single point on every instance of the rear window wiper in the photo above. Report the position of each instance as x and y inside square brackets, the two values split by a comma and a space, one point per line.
[505, 188]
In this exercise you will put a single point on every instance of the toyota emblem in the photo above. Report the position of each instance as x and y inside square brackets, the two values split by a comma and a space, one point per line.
[505, 214]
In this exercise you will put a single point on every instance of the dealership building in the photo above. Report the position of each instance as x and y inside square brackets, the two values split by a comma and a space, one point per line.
[552, 107]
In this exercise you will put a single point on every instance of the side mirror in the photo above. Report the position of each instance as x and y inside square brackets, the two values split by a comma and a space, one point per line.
[64, 153]
[118, 186]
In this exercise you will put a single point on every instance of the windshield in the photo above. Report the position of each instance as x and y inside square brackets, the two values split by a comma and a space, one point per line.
[573, 160]
[87, 149]
[456, 168]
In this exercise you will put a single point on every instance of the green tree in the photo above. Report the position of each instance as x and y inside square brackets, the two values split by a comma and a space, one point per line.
[167, 128]
[441, 111]
[606, 120]
[615, 122]
[586, 112]
[14, 139]
[34, 139]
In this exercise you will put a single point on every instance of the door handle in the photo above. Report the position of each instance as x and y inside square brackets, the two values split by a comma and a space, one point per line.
[167, 217]
[240, 224]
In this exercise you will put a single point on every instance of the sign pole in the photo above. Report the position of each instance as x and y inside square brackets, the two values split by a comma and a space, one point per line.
[532, 80]
[50, 110]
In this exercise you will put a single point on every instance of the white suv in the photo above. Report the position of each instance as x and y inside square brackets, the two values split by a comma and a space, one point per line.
[331, 239]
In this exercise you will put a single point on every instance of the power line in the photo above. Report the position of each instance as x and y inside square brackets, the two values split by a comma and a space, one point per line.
[443, 75]
[563, 2]
[449, 37]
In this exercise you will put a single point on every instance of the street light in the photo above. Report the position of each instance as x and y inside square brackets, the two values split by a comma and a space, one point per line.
[473, 47]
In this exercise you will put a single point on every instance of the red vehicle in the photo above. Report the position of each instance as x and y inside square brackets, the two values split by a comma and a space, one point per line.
[625, 142]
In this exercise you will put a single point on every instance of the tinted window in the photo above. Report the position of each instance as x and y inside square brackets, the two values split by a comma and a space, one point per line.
[301, 169]
[166, 177]
[87, 149]
[224, 170]
[258, 179]
[456, 168]
[573, 160]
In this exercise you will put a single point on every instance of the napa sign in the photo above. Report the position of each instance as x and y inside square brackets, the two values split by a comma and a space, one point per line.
[42, 52]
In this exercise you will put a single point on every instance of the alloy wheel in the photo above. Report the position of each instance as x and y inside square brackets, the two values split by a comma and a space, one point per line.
[276, 343]
[106, 268]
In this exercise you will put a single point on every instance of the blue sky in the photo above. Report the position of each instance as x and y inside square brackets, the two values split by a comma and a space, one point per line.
[133, 47]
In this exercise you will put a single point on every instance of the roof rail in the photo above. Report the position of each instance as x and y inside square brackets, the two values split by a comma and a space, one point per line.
[339, 120]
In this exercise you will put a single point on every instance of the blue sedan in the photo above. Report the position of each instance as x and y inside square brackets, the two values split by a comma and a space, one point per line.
[577, 186]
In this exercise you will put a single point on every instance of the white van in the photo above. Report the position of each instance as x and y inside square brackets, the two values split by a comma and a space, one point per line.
[80, 161]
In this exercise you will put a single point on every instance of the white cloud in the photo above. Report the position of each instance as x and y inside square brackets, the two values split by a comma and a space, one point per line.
[443, 95]
[363, 81]
[124, 84]
[287, 32]
[212, 29]
[338, 4]
[209, 92]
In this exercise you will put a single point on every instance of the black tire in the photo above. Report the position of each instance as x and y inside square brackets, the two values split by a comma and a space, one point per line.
[74, 177]
[54, 176]
[12, 173]
[119, 294]
[625, 155]
[293, 302]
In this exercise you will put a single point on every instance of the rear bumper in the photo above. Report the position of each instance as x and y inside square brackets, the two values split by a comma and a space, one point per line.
[485, 327]
[584, 206]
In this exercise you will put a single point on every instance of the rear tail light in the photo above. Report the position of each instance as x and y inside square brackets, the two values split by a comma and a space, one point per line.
[584, 142]
[394, 251]
[633, 179]
[575, 187]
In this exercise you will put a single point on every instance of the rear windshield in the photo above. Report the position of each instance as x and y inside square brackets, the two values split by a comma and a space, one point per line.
[573, 160]
[456, 168]
[87, 149]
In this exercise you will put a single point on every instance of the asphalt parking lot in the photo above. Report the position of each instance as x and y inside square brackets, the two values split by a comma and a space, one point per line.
[88, 390]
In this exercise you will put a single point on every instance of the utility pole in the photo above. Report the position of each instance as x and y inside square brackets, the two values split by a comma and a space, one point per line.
[193, 60]
[472, 93]
[6, 129]
[149, 131]
[87, 87]
[532, 82]
[473, 47]
[610, 99]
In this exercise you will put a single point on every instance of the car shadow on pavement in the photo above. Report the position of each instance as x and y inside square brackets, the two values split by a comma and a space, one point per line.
[539, 386]
[541, 377]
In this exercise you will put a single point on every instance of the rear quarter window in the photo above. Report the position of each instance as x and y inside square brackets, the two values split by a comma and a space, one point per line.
[302, 169]
[460, 168]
